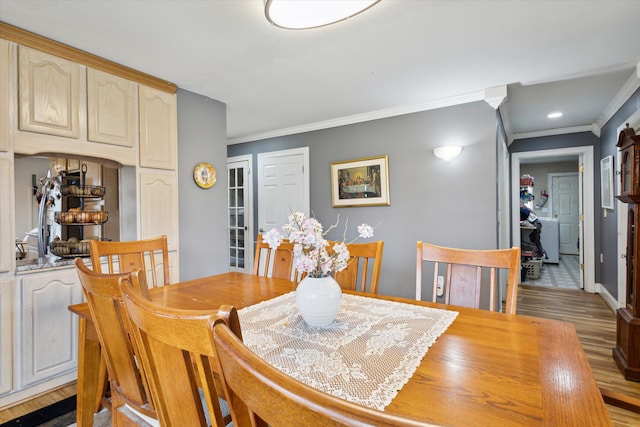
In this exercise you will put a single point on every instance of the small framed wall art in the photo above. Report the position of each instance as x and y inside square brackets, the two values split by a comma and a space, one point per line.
[360, 182]
[606, 182]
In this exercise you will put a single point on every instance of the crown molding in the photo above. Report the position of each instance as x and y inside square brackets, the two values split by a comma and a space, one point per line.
[43, 44]
[620, 98]
[550, 132]
[360, 118]
[494, 96]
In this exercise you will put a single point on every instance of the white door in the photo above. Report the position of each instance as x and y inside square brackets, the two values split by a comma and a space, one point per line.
[239, 223]
[565, 207]
[283, 186]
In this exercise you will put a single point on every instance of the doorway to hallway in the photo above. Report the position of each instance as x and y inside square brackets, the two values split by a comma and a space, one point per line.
[586, 195]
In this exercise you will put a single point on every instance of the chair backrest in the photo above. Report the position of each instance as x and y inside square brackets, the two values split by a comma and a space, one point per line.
[277, 262]
[177, 352]
[358, 267]
[128, 382]
[151, 255]
[252, 386]
[462, 281]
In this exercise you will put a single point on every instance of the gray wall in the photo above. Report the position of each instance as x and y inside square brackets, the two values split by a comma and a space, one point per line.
[202, 137]
[607, 228]
[451, 204]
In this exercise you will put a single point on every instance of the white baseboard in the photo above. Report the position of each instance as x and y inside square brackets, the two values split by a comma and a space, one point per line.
[606, 296]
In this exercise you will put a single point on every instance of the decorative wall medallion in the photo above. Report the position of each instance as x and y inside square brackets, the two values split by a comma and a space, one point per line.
[205, 175]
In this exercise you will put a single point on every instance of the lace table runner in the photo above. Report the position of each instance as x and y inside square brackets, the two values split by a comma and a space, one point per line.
[365, 356]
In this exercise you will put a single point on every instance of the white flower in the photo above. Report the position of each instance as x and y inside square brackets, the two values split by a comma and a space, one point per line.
[310, 254]
[365, 231]
[273, 238]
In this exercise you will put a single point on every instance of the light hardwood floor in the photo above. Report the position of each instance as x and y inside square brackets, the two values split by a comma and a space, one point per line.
[594, 322]
[39, 402]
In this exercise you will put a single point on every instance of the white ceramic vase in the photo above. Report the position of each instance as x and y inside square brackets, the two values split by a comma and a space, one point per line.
[318, 300]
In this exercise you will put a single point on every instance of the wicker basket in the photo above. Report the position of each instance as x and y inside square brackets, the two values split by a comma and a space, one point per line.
[533, 268]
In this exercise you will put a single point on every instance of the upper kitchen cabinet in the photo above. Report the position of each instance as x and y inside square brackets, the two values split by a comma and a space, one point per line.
[48, 94]
[158, 128]
[5, 105]
[111, 109]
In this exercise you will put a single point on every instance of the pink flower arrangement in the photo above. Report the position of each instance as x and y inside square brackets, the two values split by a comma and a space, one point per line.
[310, 254]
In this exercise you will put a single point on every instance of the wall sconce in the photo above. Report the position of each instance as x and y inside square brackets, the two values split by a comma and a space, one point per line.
[447, 153]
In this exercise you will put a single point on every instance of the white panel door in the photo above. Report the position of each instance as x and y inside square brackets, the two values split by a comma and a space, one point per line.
[283, 186]
[565, 207]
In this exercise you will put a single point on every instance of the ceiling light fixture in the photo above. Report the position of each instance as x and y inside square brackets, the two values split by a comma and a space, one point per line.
[554, 115]
[303, 14]
[447, 153]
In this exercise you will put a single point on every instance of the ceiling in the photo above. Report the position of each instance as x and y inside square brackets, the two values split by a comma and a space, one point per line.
[398, 57]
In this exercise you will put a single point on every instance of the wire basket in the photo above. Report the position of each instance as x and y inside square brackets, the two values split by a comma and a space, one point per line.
[83, 191]
[533, 268]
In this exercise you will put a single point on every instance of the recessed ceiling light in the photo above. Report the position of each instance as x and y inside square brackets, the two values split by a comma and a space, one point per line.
[554, 115]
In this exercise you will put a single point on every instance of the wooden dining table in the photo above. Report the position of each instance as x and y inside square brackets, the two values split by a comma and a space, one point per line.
[486, 369]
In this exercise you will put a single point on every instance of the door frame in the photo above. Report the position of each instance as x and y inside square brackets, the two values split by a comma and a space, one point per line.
[588, 227]
[249, 244]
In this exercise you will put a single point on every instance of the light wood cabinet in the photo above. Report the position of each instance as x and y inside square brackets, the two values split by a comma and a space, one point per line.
[74, 105]
[7, 246]
[111, 109]
[5, 100]
[6, 329]
[158, 129]
[159, 206]
[48, 94]
[49, 341]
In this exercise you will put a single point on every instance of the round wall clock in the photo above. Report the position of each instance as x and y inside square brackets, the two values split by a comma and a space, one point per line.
[205, 175]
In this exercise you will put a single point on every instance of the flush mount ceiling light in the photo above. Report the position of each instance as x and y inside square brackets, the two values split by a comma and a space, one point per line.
[302, 14]
[554, 115]
[447, 153]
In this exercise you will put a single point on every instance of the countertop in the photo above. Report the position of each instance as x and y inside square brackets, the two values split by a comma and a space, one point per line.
[23, 266]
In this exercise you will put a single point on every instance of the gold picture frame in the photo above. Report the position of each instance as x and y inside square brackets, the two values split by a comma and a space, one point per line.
[360, 182]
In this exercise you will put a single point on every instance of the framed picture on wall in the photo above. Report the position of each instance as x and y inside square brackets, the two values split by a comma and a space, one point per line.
[360, 182]
[606, 182]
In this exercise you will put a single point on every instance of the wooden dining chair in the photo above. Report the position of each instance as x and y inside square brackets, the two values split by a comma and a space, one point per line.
[461, 276]
[151, 255]
[130, 403]
[261, 395]
[177, 352]
[354, 277]
[276, 262]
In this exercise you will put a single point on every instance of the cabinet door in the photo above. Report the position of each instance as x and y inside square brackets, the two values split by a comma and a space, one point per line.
[111, 112]
[48, 88]
[159, 207]
[49, 330]
[5, 101]
[6, 327]
[158, 129]
[7, 246]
